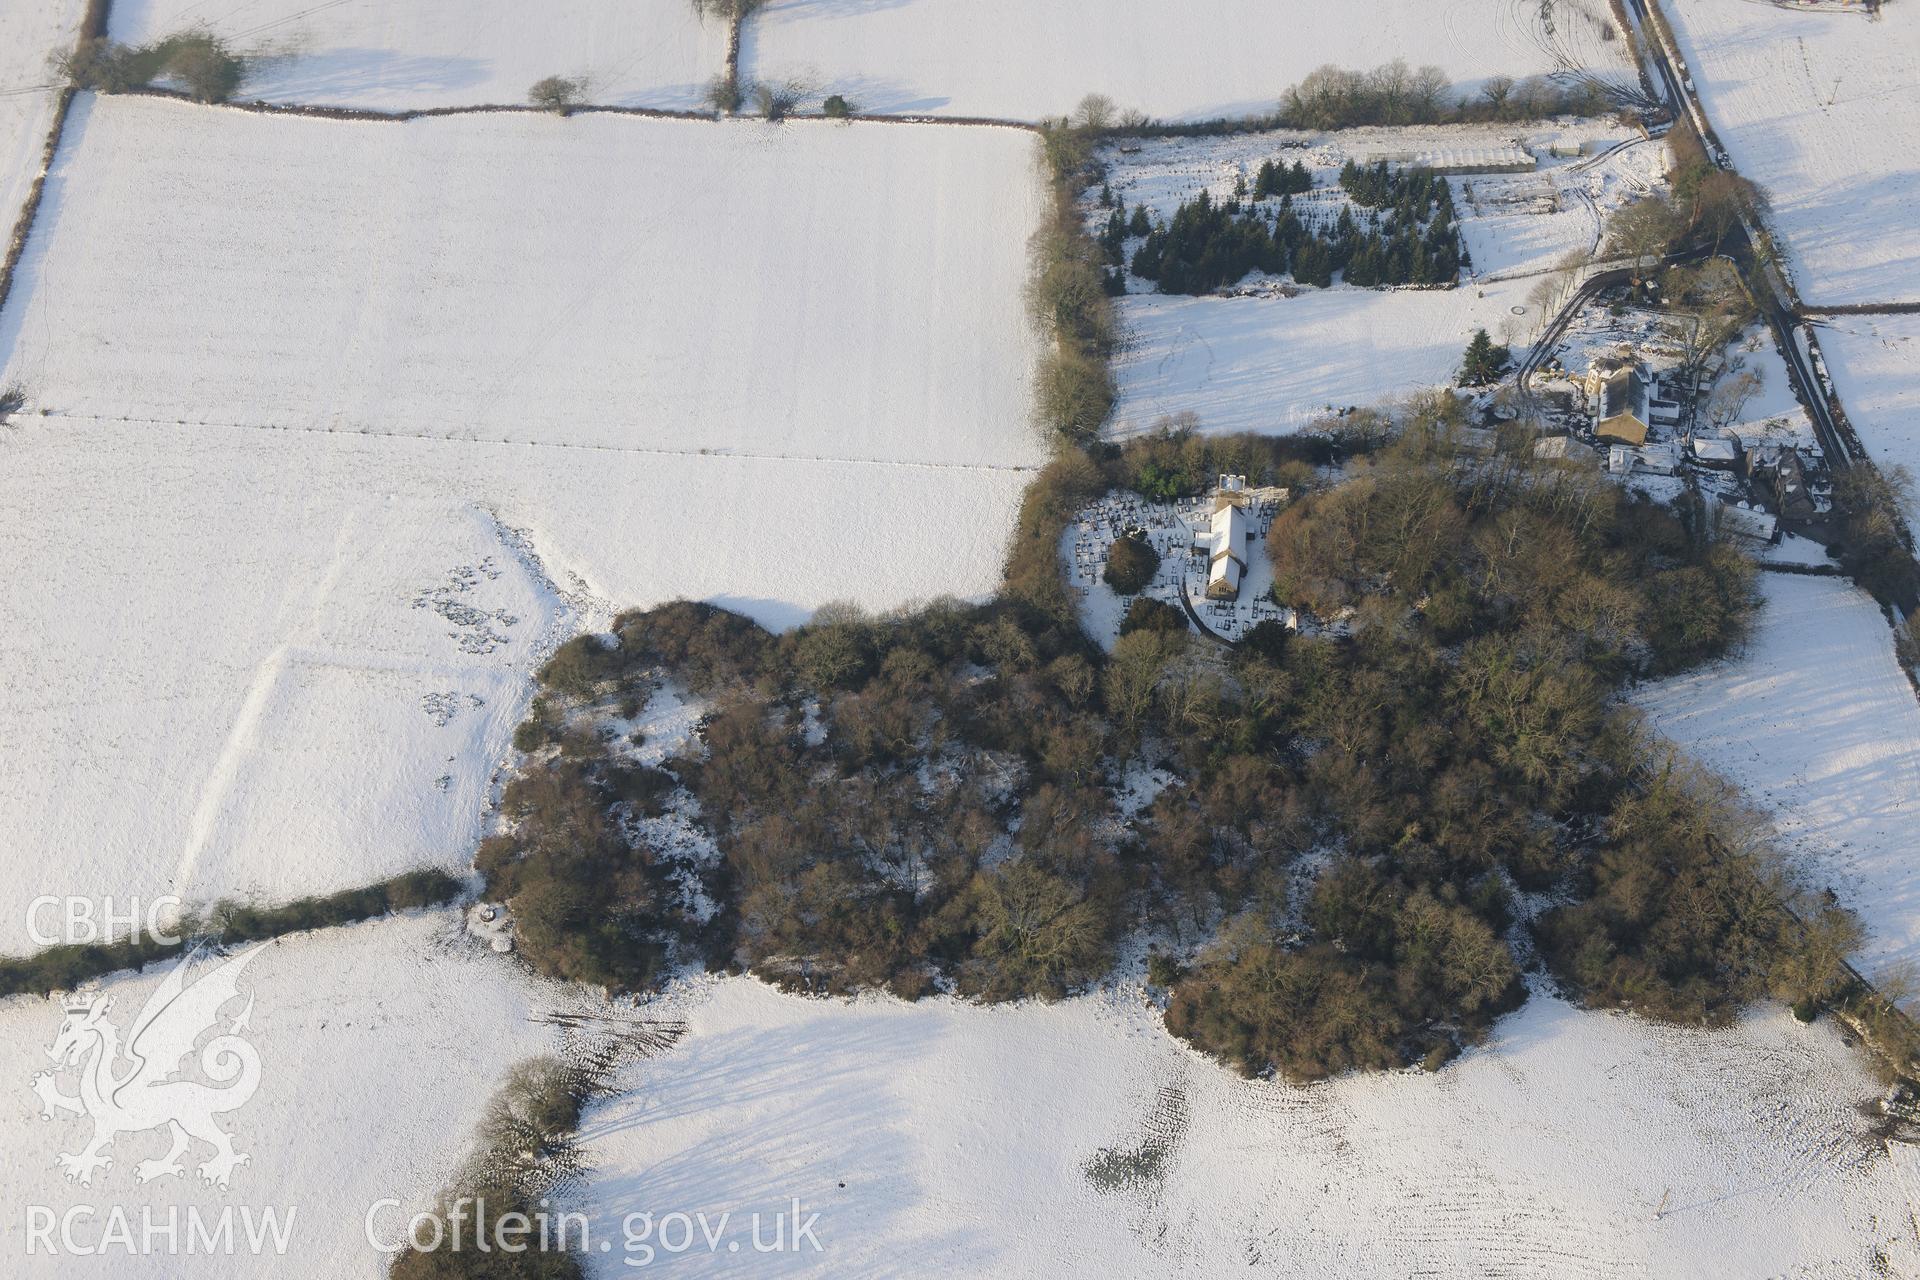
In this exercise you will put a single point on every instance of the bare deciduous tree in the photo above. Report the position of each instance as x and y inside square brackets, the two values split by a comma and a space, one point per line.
[559, 94]
[1730, 396]
[726, 10]
[723, 93]
[1096, 113]
[1495, 93]
[1708, 307]
[1644, 229]
[777, 101]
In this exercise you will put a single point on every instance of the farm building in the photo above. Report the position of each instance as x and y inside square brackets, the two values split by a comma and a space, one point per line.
[1716, 453]
[1563, 449]
[1654, 459]
[1617, 399]
[1746, 521]
[1782, 474]
[1462, 161]
[1584, 147]
[1482, 440]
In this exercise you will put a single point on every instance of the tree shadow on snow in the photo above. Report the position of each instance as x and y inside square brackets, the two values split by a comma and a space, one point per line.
[29, 270]
[795, 1115]
[797, 10]
[348, 76]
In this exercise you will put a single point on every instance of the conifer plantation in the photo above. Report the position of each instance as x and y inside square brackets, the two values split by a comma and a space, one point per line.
[1405, 233]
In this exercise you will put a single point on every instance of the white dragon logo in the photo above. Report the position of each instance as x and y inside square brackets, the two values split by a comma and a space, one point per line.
[144, 1094]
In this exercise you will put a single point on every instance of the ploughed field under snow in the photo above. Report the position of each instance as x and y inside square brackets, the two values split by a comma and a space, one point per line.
[1069, 1139]
[1017, 1140]
[30, 35]
[331, 460]
[400, 55]
[1818, 726]
[379, 1046]
[1174, 59]
[1279, 364]
[811, 290]
[1823, 111]
[1874, 362]
[242, 664]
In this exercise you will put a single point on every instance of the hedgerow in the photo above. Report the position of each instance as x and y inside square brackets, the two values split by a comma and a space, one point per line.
[228, 922]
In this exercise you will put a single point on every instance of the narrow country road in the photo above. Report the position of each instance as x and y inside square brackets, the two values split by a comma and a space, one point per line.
[1775, 301]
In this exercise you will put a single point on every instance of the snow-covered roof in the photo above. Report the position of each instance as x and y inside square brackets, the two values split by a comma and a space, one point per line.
[1565, 448]
[1497, 157]
[1621, 391]
[1477, 439]
[1660, 459]
[1229, 555]
[1230, 533]
[1745, 520]
[1224, 575]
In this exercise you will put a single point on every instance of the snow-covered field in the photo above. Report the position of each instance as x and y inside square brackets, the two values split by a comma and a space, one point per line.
[1875, 365]
[1036, 1140]
[247, 662]
[1773, 415]
[30, 34]
[379, 1046]
[1023, 1140]
[270, 622]
[1174, 59]
[1278, 364]
[1823, 111]
[1818, 725]
[811, 290]
[400, 55]
[243, 663]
